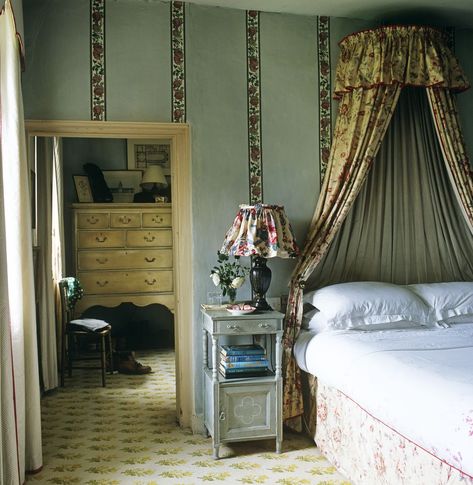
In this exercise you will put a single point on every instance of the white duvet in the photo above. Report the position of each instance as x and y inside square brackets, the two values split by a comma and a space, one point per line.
[418, 382]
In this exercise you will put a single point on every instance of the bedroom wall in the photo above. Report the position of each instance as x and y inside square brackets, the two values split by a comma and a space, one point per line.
[138, 87]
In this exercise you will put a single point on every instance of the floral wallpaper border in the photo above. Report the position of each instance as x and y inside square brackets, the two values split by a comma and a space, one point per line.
[98, 110]
[178, 65]
[325, 90]
[255, 155]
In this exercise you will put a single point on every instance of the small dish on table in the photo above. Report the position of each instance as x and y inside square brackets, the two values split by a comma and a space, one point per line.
[240, 309]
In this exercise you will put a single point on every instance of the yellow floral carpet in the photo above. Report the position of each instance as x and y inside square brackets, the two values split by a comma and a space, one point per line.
[126, 433]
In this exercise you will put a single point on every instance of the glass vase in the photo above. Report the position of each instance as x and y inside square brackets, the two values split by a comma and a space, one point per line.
[231, 293]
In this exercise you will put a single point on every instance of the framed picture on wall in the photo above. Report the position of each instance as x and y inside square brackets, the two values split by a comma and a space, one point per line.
[143, 153]
[123, 183]
[83, 190]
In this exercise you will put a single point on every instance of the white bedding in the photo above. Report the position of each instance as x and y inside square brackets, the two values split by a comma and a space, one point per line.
[418, 382]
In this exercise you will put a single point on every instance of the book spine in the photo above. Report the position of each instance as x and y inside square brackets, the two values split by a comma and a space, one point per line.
[249, 363]
[242, 370]
[231, 353]
[242, 358]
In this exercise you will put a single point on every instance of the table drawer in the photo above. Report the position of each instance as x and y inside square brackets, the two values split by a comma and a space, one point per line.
[125, 259]
[106, 282]
[248, 326]
[93, 221]
[157, 237]
[125, 220]
[157, 219]
[100, 239]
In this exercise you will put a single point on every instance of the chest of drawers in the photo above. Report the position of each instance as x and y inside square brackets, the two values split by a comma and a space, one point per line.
[123, 253]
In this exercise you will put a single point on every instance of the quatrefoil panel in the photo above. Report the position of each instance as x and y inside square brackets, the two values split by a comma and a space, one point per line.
[248, 410]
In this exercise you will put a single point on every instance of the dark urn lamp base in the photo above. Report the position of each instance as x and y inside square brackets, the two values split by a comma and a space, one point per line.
[260, 277]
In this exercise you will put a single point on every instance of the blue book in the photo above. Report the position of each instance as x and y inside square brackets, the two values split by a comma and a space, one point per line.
[245, 365]
[243, 358]
[250, 349]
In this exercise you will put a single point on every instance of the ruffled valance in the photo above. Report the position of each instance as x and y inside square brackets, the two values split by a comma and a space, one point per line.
[405, 55]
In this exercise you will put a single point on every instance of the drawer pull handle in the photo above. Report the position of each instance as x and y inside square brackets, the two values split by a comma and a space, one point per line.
[101, 260]
[150, 283]
[232, 326]
[149, 238]
[125, 220]
[157, 219]
[92, 220]
[101, 239]
[264, 325]
[102, 284]
[150, 260]
[222, 416]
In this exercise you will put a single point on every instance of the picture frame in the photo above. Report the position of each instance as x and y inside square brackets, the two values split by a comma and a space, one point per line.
[123, 183]
[143, 153]
[83, 190]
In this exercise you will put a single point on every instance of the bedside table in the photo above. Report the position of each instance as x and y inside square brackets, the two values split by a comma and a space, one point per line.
[242, 408]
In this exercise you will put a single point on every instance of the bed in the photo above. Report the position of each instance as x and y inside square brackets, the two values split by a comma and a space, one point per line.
[394, 369]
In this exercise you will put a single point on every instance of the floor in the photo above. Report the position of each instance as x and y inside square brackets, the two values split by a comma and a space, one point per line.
[126, 433]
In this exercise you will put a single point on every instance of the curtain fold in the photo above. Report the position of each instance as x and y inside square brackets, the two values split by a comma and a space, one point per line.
[407, 195]
[19, 387]
[363, 117]
[447, 125]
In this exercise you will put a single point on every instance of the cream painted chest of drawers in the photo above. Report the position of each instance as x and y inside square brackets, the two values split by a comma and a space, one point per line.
[123, 253]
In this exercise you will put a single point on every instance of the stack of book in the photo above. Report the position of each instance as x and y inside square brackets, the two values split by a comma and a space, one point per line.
[243, 361]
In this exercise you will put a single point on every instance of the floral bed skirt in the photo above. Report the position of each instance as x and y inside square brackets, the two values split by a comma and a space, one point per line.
[367, 451]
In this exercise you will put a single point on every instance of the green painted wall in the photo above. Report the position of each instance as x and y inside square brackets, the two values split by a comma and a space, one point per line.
[138, 87]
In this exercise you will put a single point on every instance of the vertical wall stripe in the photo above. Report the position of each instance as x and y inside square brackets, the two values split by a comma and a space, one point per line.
[325, 89]
[255, 155]
[178, 65]
[97, 60]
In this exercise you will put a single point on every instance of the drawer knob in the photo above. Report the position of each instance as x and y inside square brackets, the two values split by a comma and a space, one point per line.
[150, 283]
[101, 239]
[222, 416]
[157, 219]
[232, 326]
[264, 325]
[92, 220]
[150, 260]
[101, 260]
[125, 219]
[102, 283]
[149, 238]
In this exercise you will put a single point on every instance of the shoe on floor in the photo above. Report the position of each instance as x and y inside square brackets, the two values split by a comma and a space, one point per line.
[132, 366]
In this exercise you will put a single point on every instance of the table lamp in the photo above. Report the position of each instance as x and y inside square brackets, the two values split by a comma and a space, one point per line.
[262, 231]
[153, 179]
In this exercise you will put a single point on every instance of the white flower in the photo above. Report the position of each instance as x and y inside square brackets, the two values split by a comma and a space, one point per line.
[237, 282]
[215, 278]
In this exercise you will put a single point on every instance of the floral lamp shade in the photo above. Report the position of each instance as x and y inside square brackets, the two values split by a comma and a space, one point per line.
[261, 230]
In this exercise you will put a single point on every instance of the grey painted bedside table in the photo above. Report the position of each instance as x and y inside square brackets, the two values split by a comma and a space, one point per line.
[242, 408]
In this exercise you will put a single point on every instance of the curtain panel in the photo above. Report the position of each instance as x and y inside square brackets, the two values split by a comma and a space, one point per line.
[374, 66]
[20, 445]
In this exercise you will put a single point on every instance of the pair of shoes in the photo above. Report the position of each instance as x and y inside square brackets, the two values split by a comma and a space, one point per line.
[132, 366]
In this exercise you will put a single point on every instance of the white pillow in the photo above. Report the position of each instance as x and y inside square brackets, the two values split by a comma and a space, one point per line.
[447, 299]
[354, 305]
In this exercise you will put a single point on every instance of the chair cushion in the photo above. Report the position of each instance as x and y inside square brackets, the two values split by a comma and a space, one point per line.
[88, 325]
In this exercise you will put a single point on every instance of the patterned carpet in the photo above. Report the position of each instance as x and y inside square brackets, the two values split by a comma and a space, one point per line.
[126, 434]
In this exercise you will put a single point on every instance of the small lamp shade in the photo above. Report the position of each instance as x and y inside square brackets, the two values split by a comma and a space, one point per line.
[262, 231]
[153, 177]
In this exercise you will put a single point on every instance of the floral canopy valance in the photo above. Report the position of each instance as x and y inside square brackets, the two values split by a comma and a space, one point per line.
[404, 55]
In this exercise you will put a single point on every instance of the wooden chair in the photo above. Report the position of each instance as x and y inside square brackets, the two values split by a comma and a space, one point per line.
[82, 329]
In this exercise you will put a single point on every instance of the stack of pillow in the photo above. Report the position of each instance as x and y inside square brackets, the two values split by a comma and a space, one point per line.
[379, 306]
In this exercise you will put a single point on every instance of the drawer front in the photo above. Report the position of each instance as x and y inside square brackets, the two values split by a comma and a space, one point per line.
[125, 220]
[121, 259]
[93, 221]
[166, 299]
[100, 239]
[247, 411]
[157, 219]
[105, 282]
[248, 326]
[150, 238]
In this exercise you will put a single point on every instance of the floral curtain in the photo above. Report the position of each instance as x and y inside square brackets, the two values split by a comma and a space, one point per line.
[374, 65]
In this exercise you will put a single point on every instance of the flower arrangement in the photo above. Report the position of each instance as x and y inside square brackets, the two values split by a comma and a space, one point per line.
[228, 275]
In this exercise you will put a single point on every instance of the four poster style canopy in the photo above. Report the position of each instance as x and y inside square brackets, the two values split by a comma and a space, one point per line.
[373, 68]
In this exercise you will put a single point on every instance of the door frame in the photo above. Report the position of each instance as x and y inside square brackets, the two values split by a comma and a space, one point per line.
[178, 134]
